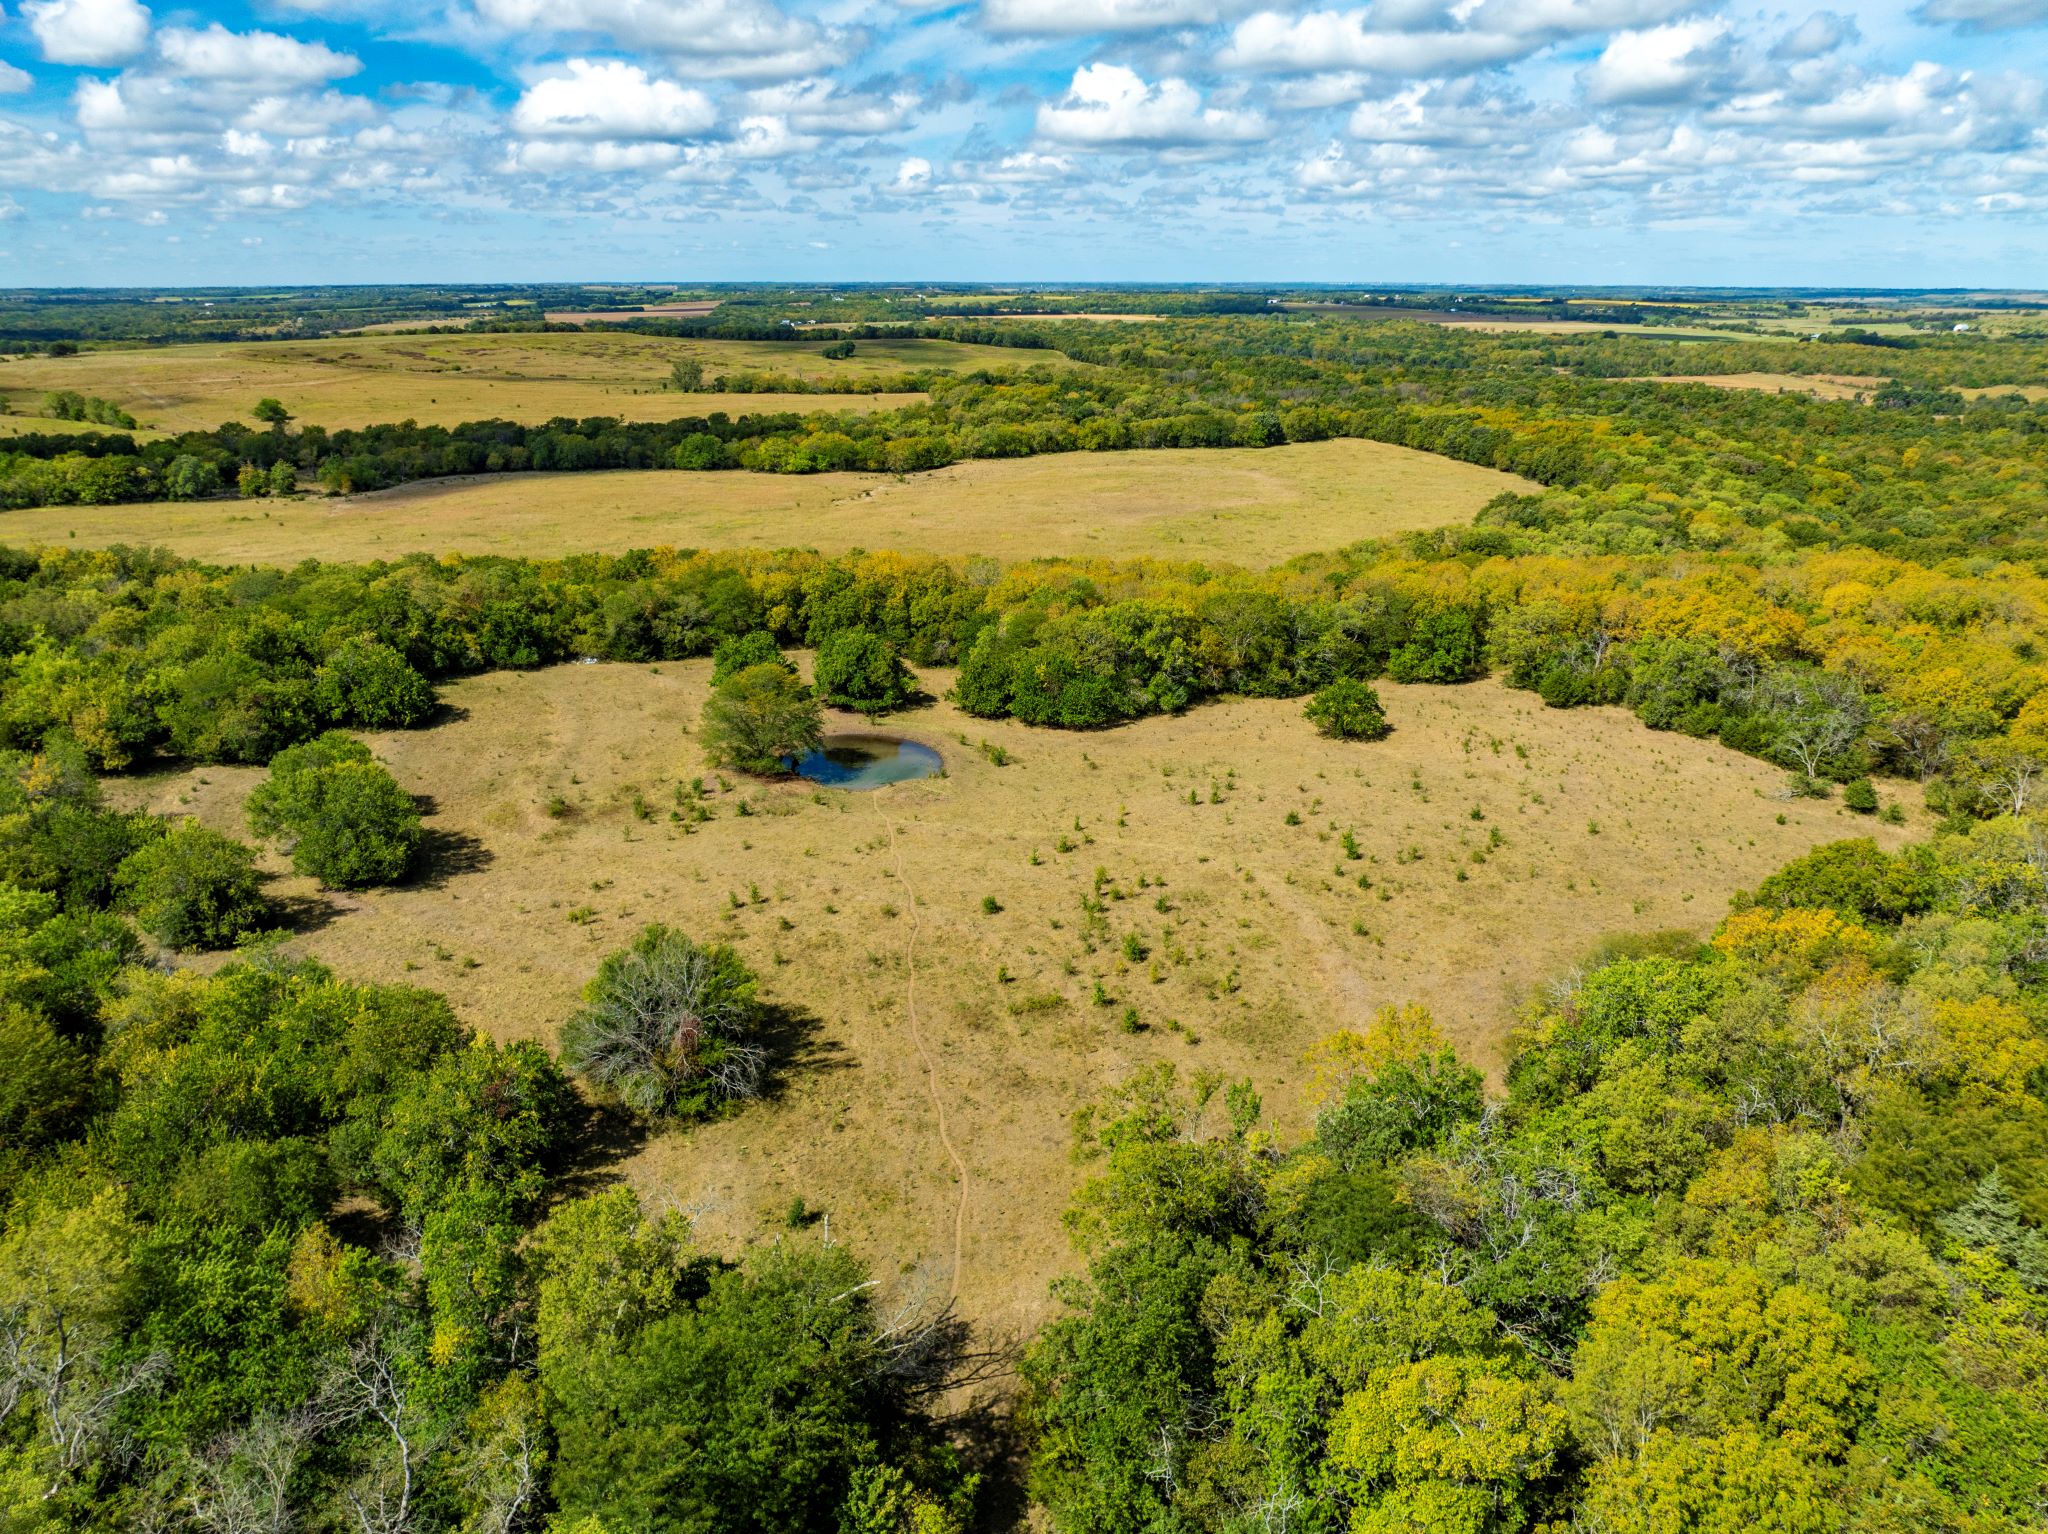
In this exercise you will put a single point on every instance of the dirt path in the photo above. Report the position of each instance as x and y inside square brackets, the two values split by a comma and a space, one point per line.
[931, 1067]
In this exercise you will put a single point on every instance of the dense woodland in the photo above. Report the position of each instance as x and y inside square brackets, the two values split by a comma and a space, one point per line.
[1748, 1237]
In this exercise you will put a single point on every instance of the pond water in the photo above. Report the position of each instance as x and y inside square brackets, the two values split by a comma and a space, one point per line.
[867, 761]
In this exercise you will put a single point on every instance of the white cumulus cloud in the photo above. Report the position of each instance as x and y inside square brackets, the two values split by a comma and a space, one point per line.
[1324, 41]
[1109, 104]
[1659, 64]
[265, 58]
[611, 100]
[97, 32]
[742, 39]
[1076, 18]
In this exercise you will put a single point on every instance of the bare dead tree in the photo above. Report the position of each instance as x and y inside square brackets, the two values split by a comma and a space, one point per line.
[1814, 714]
[666, 1016]
[241, 1484]
[367, 1385]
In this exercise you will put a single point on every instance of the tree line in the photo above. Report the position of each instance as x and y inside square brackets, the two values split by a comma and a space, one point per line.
[1834, 666]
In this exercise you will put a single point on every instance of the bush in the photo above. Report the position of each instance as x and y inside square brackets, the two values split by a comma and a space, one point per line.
[760, 717]
[1348, 710]
[860, 669]
[193, 889]
[368, 683]
[734, 655]
[668, 1027]
[347, 821]
[1860, 795]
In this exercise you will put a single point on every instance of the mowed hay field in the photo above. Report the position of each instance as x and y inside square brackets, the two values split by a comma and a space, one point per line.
[362, 380]
[1251, 506]
[1249, 938]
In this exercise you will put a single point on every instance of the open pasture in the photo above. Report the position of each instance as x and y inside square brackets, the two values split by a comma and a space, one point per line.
[1251, 506]
[1831, 386]
[361, 380]
[1153, 902]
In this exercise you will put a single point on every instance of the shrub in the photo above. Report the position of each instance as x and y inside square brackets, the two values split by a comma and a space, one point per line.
[368, 683]
[193, 889]
[1860, 795]
[736, 654]
[347, 821]
[1348, 710]
[758, 717]
[669, 1027]
[860, 669]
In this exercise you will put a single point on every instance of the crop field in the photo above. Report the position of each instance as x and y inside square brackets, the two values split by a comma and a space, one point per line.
[1252, 506]
[361, 380]
[1179, 889]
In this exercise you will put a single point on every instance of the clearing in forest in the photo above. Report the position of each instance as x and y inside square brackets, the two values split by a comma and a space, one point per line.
[1247, 506]
[1177, 889]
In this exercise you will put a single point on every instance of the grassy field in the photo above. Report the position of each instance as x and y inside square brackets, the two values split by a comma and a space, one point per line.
[1819, 385]
[12, 425]
[1235, 938]
[364, 379]
[1245, 506]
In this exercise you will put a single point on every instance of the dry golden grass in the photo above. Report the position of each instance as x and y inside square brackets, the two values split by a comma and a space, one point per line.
[362, 380]
[1245, 506]
[2034, 392]
[1257, 936]
[1819, 385]
[13, 425]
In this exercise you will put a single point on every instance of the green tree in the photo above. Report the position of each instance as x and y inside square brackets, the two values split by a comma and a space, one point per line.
[1449, 1443]
[697, 1398]
[759, 719]
[365, 682]
[193, 888]
[191, 478]
[68, 1292]
[272, 414]
[46, 1086]
[734, 654]
[284, 477]
[670, 1028]
[858, 668]
[344, 817]
[1348, 709]
[485, 1116]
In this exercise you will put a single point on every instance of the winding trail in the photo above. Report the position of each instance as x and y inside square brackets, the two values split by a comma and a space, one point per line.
[931, 1066]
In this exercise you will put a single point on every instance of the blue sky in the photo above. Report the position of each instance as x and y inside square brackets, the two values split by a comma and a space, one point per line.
[1598, 141]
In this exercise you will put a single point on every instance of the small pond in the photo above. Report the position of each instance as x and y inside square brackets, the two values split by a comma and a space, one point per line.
[867, 761]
